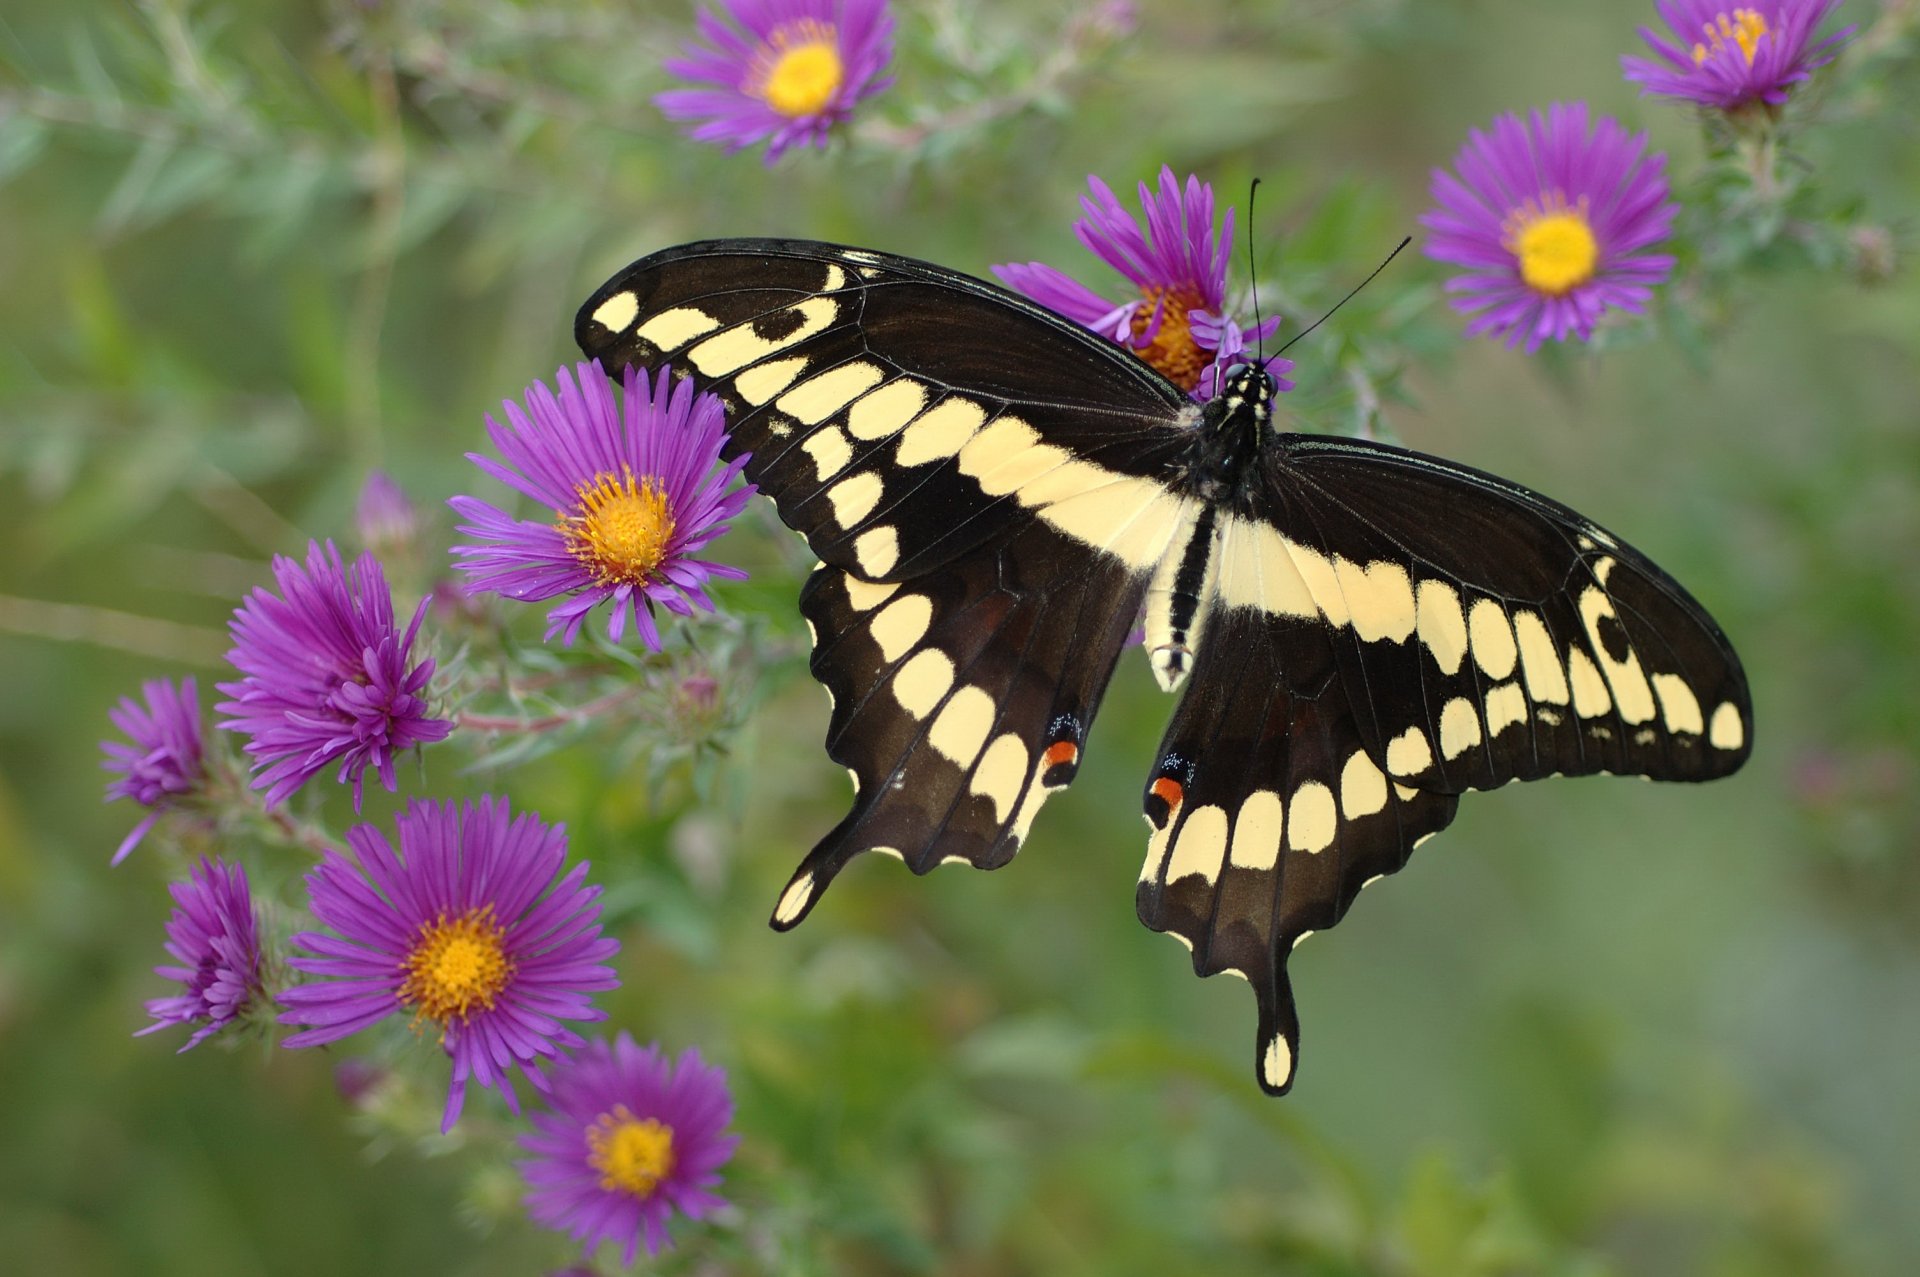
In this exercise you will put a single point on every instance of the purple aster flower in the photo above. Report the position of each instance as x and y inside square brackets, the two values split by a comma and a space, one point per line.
[465, 926]
[1179, 323]
[630, 1138]
[1553, 223]
[633, 499]
[215, 938]
[384, 516]
[1724, 58]
[165, 758]
[327, 677]
[785, 71]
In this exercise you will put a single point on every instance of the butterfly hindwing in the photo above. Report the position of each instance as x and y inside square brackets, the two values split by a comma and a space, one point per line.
[960, 699]
[897, 430]
[1269, 814]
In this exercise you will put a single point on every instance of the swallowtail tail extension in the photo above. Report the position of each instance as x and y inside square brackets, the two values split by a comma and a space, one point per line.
[997, 497]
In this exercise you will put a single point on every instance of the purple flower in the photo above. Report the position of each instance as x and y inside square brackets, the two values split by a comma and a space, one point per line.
[466, 927]
[215, 937]
[1553, 224]
[326, 676]
[164, 760]
[1179, 323]
[785, 71]
[384, 517]
[1725, 58]
[632, 498]
[629, 1140]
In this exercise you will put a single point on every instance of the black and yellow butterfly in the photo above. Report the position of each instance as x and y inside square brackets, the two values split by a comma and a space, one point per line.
[998, 496]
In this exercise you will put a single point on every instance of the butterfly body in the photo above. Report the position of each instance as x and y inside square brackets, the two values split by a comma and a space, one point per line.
[1360, 633]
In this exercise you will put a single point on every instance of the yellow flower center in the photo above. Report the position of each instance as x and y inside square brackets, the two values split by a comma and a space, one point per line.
[632, 1154]
[1173, 351]
[1553, 243]
[622, 528]
[798, 71]
[1744, 27]
[457, 966]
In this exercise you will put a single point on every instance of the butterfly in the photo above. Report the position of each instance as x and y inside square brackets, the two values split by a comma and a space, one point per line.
[998, 497]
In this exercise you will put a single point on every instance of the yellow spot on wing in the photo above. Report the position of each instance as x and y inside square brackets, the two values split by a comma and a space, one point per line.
[877, 550]
[1363, 788]
[672, 329]
[1679, 709]
[830, 451]
[1590, 699]
[922, 681]
[817, 398]
[1442, 627]
[1493, 646]
[794, 899]
[1726, 731]
[1001, 773]
[1409, 754]
[963, 724]
[1379, 599]
[763, 381]
[866, 595]
[940, 432]
[879, 414]
[1276, 1066]
[734, 348]
[902, 624]
[854, 497]
[615, 313]
[1201, 845]
[1540, 660]
[1256, 831]
[1506, 705]
[1459, 727]
[1313, 820]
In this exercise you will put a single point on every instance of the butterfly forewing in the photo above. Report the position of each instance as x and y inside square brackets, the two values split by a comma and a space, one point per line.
[899, 432]
[1485, 634]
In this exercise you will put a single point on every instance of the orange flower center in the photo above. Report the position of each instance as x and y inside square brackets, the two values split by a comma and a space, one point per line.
[457, 966]
[1553, 243]
[797, 71]
[1744, 27]
[632, 1154]
[621, 529]
[1172, 350]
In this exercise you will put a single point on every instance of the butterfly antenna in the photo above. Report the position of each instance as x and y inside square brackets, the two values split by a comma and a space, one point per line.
[1253, 281]
[1349, 297]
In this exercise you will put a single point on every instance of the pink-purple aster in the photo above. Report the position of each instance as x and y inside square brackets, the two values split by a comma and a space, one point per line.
[1179, 322]
[468, 926]
[634, 495]
[162, 758]
[1726, 57]
[215, 937]
[1553, 222]
[780, 71]
[383, 516]
[629, 1139]
[327, 676]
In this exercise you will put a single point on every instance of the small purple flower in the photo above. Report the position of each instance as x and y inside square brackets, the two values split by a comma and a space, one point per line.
[1179, 323]
[327, 677]
[465, 926]
[384, 516]
[215, 937]
[630, 1139]
[165, 759]
[633, 500]
[783, 71]
[1725, 58]
[1553, 224]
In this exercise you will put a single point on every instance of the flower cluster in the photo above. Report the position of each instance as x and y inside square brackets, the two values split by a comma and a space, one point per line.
[1179, 322]
[634, 497]
[328, 677]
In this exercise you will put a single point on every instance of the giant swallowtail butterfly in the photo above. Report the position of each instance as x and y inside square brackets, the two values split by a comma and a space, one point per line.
[997, 497]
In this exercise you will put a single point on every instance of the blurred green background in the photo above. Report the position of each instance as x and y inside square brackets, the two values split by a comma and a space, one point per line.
[249, 251]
